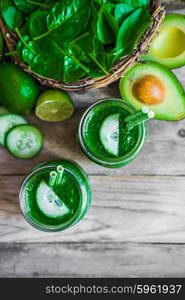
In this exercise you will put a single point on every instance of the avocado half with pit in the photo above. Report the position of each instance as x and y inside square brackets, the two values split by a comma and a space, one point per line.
[169, 46]
[155, 86]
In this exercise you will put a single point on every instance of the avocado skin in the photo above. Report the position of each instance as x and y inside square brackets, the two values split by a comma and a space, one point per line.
[18, 91]
[173, 106]
[177, 20]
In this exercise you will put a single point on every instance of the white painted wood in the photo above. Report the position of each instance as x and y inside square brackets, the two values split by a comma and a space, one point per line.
[135, 209]
[92, 260]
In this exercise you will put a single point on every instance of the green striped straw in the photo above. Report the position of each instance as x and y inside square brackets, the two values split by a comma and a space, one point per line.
[60, 172]
[139, 113]
[139, 117]
[52, 178]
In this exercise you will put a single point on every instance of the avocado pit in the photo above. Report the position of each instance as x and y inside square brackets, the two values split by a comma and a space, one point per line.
[149, 90]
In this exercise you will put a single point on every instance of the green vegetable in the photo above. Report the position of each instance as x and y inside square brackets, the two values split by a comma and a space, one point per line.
[24, 29]
[131, 31]
[28, 55]
[67, 18]
[122, 11]
[72, 39]
[24, 141]
[37, 23]
[28, 6]
[1, 46]
[48, 63]
[11, 15]
[133, 3]
[107, 26]
[72, 71]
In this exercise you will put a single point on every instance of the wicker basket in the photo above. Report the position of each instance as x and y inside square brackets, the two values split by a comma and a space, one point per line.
[119, 68]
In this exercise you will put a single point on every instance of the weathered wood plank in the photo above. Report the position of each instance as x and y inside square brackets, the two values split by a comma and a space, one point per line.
[134, 209]
[171, 4]
[163, 153]
[92, 260]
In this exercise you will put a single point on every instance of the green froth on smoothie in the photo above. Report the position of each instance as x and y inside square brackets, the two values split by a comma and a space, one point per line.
[68, 191]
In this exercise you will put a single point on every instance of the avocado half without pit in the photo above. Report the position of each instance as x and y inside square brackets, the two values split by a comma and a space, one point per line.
[153, 85]
[169, 46]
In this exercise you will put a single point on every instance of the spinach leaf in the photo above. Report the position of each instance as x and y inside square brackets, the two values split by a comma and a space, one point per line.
[11, 15]
[47, 63]
[136, 3]
[92, 22]
[24, 29]
[133, 3]
[72, 72]
[86, 52]
[21, 45]
[90, 50]
[131, 31]
[37, 23]
[67, 18]
[28, 6]
[107, 26]
[103, 56]
[99, 2]
[28, 55]
[48, 67]
[122, 11]
[70, 39]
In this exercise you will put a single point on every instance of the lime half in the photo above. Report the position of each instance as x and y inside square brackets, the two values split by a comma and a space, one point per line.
[54, 105]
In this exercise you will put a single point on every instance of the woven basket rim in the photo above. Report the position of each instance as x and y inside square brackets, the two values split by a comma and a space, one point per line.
[119, 68]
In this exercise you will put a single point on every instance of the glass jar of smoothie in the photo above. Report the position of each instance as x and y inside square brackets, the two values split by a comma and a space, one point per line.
[103, 136]
[55, 195]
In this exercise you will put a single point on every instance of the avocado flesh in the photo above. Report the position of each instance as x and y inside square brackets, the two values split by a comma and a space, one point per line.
[173, 105]
[169, 46]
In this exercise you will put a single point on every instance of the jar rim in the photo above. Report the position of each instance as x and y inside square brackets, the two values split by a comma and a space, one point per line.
[52, 228]
[122, 159]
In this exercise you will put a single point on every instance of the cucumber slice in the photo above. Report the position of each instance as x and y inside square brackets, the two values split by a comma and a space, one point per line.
[7, 122]
[49, 203]
[24, 141]
[109, 134]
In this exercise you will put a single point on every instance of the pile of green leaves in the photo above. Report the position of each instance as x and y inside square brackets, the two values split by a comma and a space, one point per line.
[71, 39]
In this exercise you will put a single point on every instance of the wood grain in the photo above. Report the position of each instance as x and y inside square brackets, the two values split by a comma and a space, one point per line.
[163, 153]
[136, 225]
[134, 209]
[171, 4]
[92, 260]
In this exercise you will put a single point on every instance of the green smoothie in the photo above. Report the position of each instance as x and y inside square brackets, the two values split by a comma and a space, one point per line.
[104, 137]
[55, 196]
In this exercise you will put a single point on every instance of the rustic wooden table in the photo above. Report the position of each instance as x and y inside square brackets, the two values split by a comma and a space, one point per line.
[136, 225]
